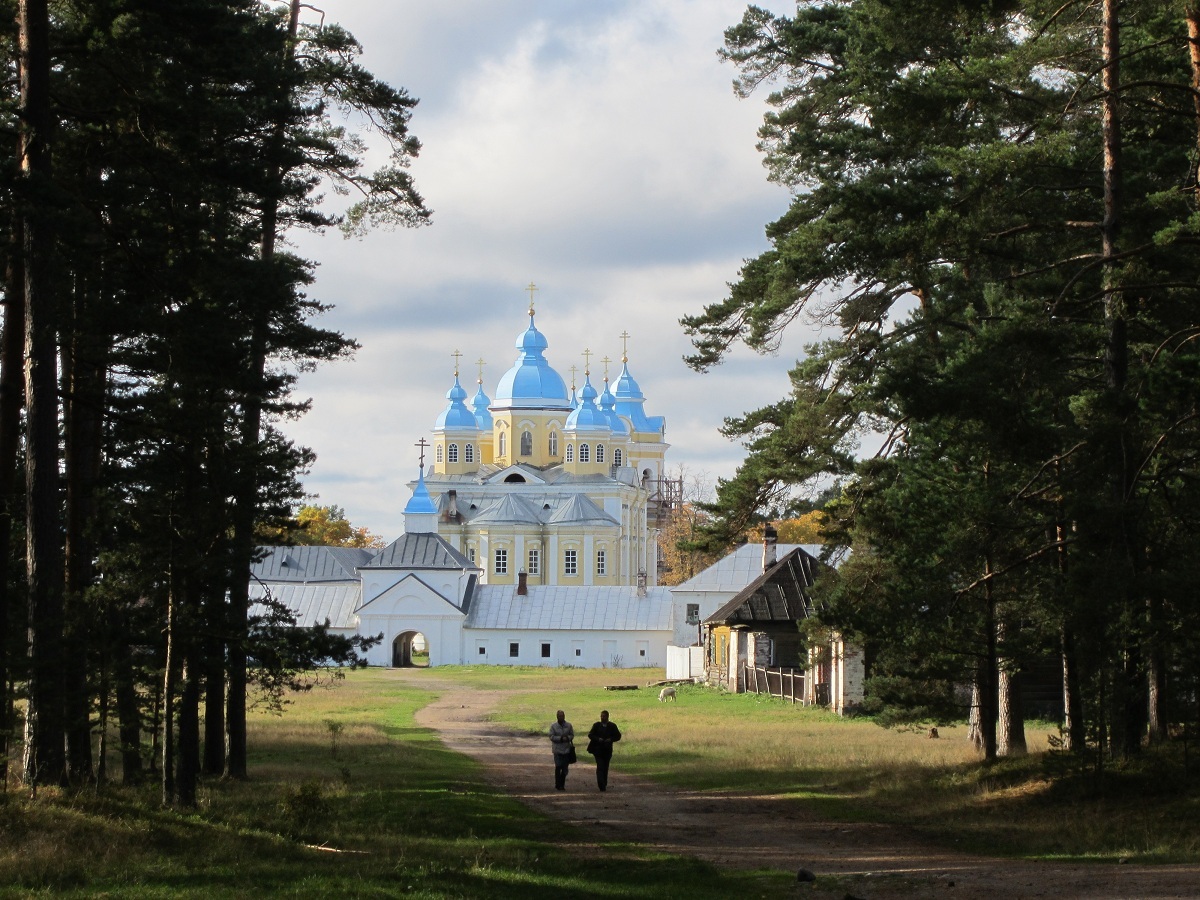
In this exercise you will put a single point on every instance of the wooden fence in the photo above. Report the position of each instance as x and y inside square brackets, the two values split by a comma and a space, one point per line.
[778, 682]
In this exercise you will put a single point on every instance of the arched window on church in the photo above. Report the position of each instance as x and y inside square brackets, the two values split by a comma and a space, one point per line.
[554, 443]
[502, 448]
[599, 453]
[570, 452]
[438, 453]
[617, 457]
[469, 453]
[583, 453]
[452, 453]
[526, 443]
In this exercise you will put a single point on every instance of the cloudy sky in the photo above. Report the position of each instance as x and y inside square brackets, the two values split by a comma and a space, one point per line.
[593, 147]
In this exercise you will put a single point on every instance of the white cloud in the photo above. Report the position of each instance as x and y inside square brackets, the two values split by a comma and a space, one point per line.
[596, 149]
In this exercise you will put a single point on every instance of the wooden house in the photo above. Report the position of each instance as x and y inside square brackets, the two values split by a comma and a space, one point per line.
[753, 641]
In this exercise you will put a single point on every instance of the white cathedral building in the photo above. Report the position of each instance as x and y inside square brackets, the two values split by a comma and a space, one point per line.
[532, 538]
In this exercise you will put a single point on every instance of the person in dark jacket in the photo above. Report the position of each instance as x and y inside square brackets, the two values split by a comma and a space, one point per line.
[600, 744]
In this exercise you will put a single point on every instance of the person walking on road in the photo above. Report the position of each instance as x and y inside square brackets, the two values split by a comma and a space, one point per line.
[600, 744]
[562, 742]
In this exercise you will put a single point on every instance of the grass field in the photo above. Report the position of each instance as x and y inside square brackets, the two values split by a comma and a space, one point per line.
[347, 768]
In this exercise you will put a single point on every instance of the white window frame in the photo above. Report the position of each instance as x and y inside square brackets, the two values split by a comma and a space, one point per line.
[584, 453]
[500, 560]
[570, 563]
[534, 566]
[599, 453]
[452, 453]
[601, 562]
[469, 453]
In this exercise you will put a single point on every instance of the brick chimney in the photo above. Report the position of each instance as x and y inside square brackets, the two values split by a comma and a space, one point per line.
[770, 541]
[522, 584]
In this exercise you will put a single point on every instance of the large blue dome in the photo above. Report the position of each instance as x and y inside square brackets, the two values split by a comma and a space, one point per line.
[531, 382]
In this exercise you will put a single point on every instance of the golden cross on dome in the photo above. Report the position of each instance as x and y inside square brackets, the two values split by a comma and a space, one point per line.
[587, 361]
[574, 369]
[624, 336]
[457, 356]
[479, 362]
[606, 361]
[532, 287]
[422, 443]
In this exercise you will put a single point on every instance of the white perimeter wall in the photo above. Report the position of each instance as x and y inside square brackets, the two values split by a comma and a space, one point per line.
[589, 649]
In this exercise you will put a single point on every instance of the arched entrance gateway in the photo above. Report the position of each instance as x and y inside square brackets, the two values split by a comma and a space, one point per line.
[410, 650]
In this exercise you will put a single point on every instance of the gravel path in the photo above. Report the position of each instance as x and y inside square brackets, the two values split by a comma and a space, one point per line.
[761, 831]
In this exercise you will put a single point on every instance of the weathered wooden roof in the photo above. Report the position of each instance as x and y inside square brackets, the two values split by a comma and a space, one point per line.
[778, 595]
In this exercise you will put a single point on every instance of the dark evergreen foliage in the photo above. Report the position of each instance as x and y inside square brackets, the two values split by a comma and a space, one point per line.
[184, 138]
[1027, 368]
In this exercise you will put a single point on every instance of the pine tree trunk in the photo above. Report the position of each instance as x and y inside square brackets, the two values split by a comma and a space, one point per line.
[12, 395]
[1010, 739]
[1074, 727]
[187, 760]
[974, 717]
[129, 715]
[45, 718]
[167, 701]
[1192, 14]
[214, 685]
[1156, 724]
[246, 499]
[84, 388]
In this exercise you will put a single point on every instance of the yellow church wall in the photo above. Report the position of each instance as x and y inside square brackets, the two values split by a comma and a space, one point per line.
[451, 455]
[512, 424]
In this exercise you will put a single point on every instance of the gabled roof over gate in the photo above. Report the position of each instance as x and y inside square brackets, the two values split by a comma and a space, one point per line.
[778, 595]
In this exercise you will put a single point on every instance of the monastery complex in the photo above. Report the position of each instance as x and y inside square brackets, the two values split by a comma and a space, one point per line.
[532, 539]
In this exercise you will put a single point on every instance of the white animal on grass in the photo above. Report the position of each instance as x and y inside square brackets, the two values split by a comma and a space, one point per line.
[667, 693]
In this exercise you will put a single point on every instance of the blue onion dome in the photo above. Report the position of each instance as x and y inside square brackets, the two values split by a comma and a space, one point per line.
[456, 415]
[420, 503]
[608, 405]
[587, 416]
[483, 418]
[627, 388]
[630, 404]
[531, 382]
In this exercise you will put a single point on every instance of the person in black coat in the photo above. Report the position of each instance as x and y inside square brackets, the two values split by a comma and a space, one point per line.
[600, 744]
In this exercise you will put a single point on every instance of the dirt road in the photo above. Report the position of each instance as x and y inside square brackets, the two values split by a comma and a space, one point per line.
[873, 862]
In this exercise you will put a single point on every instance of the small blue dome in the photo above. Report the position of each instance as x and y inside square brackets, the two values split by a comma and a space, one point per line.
[587, 415]
[483, 418]
[630, 404]
[456, 415]
[627, 388]
[420, 503]
[608, 406]
[531, 382]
